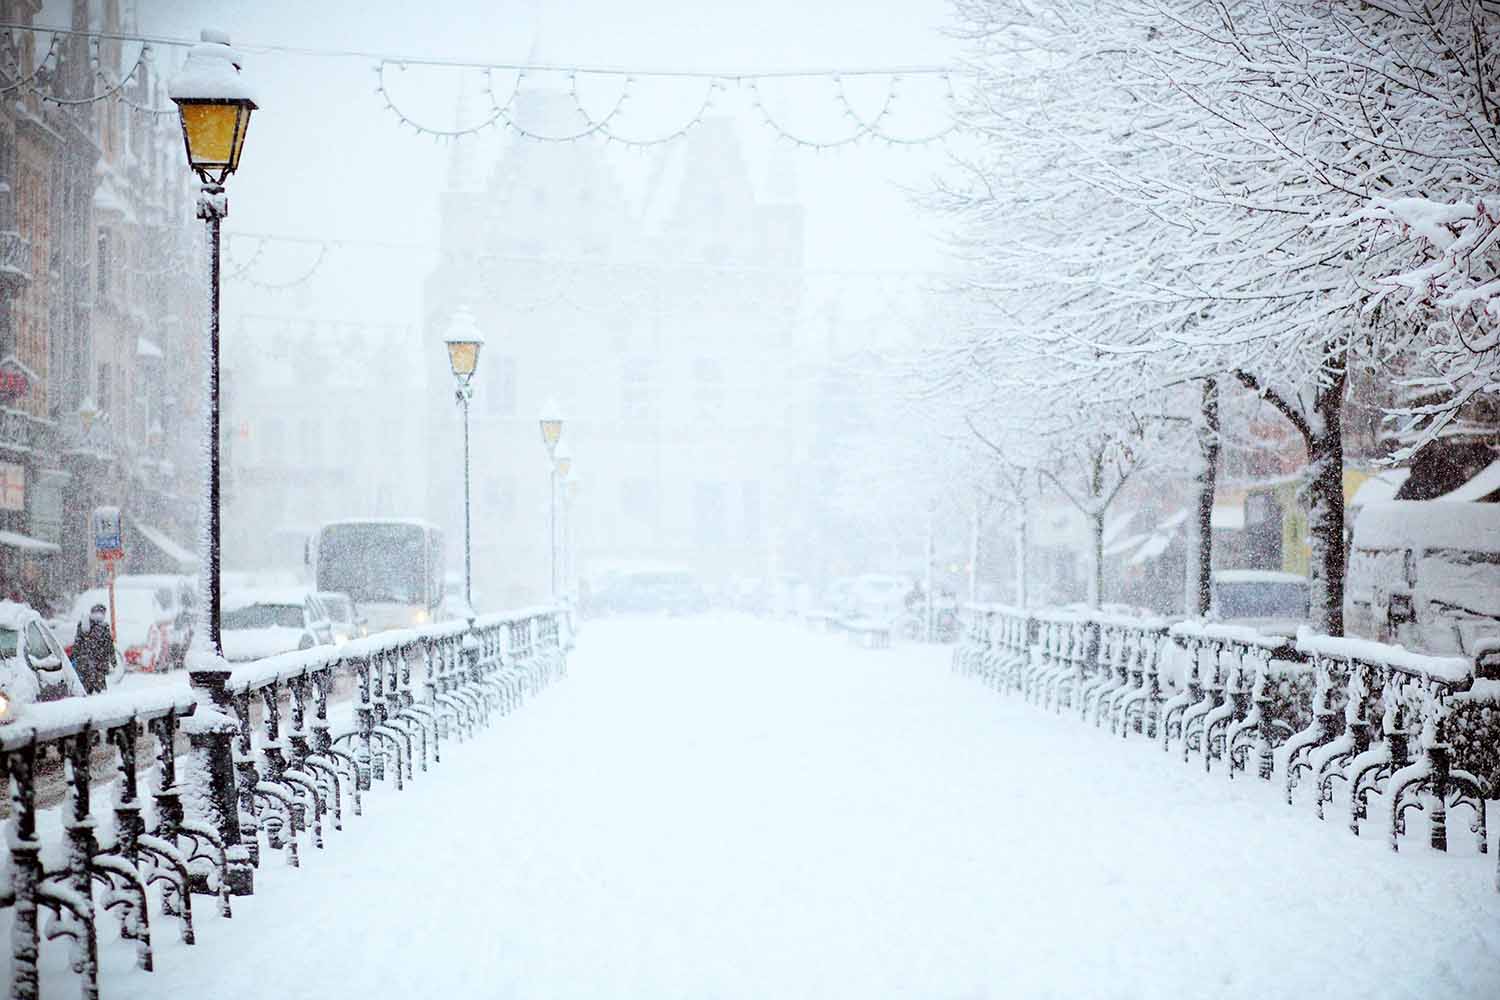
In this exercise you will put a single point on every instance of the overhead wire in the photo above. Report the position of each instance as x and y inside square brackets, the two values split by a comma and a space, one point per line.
[602, 127]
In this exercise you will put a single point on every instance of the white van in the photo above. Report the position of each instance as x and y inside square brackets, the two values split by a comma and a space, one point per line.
[1425, 574]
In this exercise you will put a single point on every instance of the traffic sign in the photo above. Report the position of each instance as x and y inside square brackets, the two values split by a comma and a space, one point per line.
[108, 541]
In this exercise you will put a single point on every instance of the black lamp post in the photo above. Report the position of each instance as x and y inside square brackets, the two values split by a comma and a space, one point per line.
[552, 428]
[464, 342]
[215, 102]
[562, 466]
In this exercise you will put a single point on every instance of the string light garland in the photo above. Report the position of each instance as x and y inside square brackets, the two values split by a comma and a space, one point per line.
[604, 128]
[110, 89]
[42, 66]
[300, 281]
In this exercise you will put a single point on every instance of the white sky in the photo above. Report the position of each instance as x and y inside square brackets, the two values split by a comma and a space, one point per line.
[325, 159]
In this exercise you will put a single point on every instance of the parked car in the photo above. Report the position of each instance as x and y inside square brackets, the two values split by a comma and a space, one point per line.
[258, 623]
[143, 625]
[1269, 601]
[175, 593]
[661, 591]
[33, 664]
[1425, 574]
[345, 621]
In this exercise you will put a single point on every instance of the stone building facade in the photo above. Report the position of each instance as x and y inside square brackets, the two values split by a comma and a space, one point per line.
[102, 305]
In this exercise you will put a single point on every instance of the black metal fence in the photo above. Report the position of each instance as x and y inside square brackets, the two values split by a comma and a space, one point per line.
[1372, 729]
[295, 773]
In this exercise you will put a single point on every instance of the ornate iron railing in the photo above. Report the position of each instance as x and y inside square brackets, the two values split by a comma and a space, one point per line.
[297, 765]
[1353, 720]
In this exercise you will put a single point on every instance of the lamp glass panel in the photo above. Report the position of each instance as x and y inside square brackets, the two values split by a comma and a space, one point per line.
[463, 356]
[564, 466]
[211, 131]
[551, 432]
[242, 125]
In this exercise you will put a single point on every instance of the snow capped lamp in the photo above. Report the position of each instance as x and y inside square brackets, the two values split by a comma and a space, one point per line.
[214, 102]
[87, 414]
[564, 458]
[552, 423]
[464, 341]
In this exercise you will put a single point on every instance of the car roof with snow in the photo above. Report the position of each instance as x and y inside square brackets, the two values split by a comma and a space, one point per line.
[15, 616]
[1256, 576]
[265, 595]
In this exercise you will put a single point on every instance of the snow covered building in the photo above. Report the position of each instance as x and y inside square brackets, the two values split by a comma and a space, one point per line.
[663, 321]
[100, 318]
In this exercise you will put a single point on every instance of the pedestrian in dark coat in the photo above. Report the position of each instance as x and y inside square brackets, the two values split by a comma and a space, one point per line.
[94, 651]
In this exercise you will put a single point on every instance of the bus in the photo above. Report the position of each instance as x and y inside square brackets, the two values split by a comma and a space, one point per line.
[391, 567]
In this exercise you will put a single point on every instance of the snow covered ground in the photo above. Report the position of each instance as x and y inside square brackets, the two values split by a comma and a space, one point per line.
[723, 808]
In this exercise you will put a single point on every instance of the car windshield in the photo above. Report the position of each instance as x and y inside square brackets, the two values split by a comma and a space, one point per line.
[1262, 599]
[338, 610]
[9, 638]
[263, 616]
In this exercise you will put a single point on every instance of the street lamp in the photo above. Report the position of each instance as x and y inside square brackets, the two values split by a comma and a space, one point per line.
[562, 464]
[551, 423]
[87, 414]
[214, 102]
[464, 342]
[570, 498]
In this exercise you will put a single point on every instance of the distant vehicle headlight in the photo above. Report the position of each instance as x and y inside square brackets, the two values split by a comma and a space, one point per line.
[4, 707]
[420, 617]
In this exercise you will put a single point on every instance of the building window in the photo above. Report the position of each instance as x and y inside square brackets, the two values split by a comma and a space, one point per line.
[708, 513]
[106, 388]
[102, 275]
[501, 390]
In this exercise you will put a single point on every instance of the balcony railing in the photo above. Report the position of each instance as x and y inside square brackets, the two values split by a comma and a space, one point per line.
[15, 259]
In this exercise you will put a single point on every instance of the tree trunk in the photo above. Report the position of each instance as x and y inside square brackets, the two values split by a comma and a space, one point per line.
[1021, 515]
[1096, 523]
[1325, 506]
[1200, 522]
[1096, 576]
[974, 550]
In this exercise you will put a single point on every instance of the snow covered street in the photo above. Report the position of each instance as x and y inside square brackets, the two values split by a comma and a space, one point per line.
[722, 807]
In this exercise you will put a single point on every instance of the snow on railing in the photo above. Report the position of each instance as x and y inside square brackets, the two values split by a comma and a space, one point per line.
[1372, 721]
[412, 691]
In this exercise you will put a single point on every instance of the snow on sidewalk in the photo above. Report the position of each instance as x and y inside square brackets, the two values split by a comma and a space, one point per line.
[722, 808]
